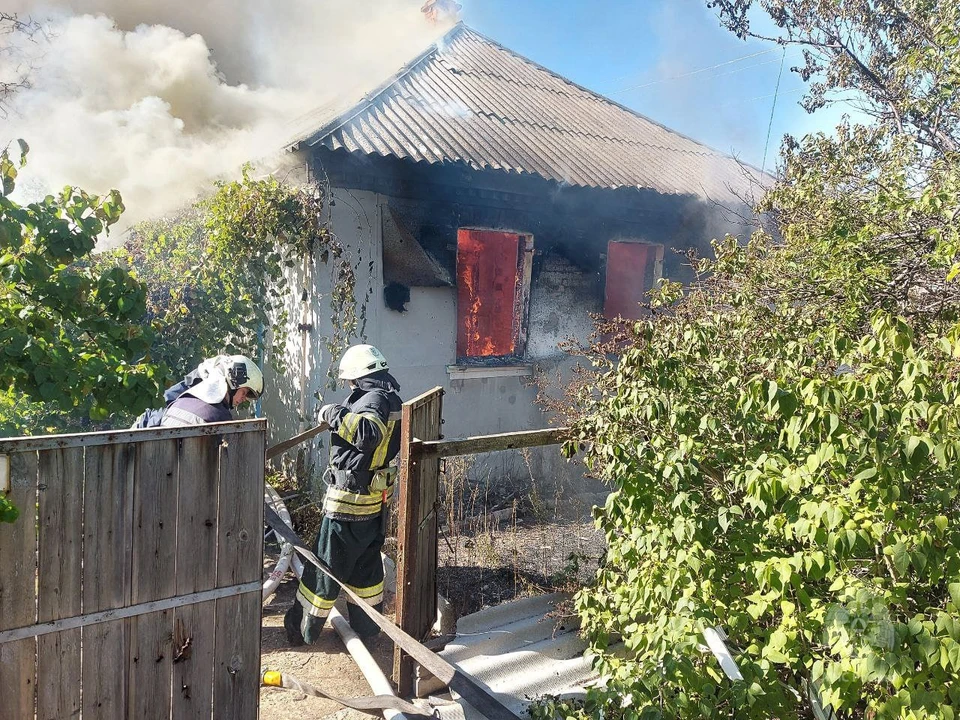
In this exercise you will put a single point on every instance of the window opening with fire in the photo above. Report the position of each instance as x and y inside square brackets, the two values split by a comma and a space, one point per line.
[493, 293]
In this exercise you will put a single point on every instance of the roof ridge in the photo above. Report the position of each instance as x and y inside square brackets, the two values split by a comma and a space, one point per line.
[595, 94]
[368, 98]
[467, 98]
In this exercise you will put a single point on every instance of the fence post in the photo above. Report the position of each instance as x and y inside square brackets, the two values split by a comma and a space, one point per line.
[417, 528]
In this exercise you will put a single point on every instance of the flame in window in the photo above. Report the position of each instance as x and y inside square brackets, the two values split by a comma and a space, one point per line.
[487, 282]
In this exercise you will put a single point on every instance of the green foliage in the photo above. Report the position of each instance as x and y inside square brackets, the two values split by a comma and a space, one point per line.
[70, 336]
[770, 483]
[218, 274]
[92, 336]
[897, 60]
[19, 415]
[783, 437]
[8, 511]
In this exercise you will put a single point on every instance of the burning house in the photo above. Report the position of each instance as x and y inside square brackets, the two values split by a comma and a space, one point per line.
[493, 207]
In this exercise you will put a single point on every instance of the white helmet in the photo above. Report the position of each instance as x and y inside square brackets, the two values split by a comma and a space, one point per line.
[361, 360]
[241, 372]
[227, 372]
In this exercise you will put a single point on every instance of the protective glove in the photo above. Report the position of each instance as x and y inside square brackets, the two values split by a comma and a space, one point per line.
[329, 412]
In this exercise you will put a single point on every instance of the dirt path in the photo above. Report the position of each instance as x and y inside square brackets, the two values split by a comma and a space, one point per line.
[326, 665]
[485, 558]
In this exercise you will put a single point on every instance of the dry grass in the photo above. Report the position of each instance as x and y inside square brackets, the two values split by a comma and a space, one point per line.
[499, 542]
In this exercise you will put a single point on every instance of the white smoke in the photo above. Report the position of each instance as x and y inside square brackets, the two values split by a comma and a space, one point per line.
[157, 99]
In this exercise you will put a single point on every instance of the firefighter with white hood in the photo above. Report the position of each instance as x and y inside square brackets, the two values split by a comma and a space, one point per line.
[364, 440]
[208, 394]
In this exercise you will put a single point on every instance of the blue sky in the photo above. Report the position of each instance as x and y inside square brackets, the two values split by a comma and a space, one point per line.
[614, 46]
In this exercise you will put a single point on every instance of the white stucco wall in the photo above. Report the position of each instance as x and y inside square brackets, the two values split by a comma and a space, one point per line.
[561, 300]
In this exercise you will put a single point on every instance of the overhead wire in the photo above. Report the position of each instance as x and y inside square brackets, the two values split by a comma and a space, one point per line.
[740, 69]
[770, 95]
[773, 109]
[694, 72]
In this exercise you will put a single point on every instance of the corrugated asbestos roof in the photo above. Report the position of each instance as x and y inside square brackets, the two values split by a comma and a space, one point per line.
[469, 100]
[519, 654]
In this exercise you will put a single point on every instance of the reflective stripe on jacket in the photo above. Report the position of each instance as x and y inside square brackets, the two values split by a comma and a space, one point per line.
[346, 504]
[188, 410]
[365, 439]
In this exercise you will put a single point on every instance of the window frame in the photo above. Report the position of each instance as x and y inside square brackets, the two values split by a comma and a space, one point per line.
[521, 300]
[652, 270]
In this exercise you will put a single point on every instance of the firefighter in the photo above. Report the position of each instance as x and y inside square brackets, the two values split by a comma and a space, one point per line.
[364, 440]
[208, 394]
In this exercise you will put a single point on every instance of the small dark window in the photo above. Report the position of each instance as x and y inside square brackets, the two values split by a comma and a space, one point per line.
[493, 287]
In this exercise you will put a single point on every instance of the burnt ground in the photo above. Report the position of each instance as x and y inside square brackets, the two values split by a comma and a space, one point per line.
[508, 560]
[499, 542]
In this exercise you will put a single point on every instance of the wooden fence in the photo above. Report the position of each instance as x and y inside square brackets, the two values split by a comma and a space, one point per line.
[130, 586]
[417, 529]
[421, 448]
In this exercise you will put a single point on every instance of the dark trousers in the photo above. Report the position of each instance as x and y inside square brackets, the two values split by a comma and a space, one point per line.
[351, 549]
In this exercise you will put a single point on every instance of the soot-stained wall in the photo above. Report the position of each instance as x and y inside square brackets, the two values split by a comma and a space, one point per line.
[571, 229]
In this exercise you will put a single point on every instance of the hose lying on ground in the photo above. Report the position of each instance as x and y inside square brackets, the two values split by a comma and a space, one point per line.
[371, 705]
[473, 692]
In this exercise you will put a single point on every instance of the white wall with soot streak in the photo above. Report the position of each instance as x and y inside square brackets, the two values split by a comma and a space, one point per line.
[420, 344]
[561, 301]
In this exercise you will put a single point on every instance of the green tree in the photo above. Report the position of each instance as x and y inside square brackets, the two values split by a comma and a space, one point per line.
[70, 336]
[783, 436]
[895, 60]
[93, 336]
[218, 274]
[69, 333]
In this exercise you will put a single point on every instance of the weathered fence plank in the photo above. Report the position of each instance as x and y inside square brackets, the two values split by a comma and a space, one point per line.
[155, 521]
[241, 520]
[107, 575]
[150, 666]
[193, 626]
[237, 655]
[18, 599]
[154, 578]
[60, 512]
[149, 545]
[194, 645]
[490, 443]
[417, 532]
[236, 679]
[118, 437]
[128, 611]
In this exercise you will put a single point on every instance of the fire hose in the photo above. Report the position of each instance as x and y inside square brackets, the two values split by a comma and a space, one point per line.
[452, 677]
[371, 705]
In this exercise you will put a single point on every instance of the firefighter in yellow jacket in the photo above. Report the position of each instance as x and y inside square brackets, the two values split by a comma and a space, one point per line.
[365, 440]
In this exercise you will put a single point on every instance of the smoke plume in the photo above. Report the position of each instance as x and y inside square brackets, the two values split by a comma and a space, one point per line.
[157, 99]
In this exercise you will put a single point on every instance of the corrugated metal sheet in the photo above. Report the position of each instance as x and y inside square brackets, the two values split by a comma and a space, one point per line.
[519, 654]
[470, 100]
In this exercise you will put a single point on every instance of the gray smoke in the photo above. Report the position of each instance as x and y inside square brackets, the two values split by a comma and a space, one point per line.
[157, 99]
